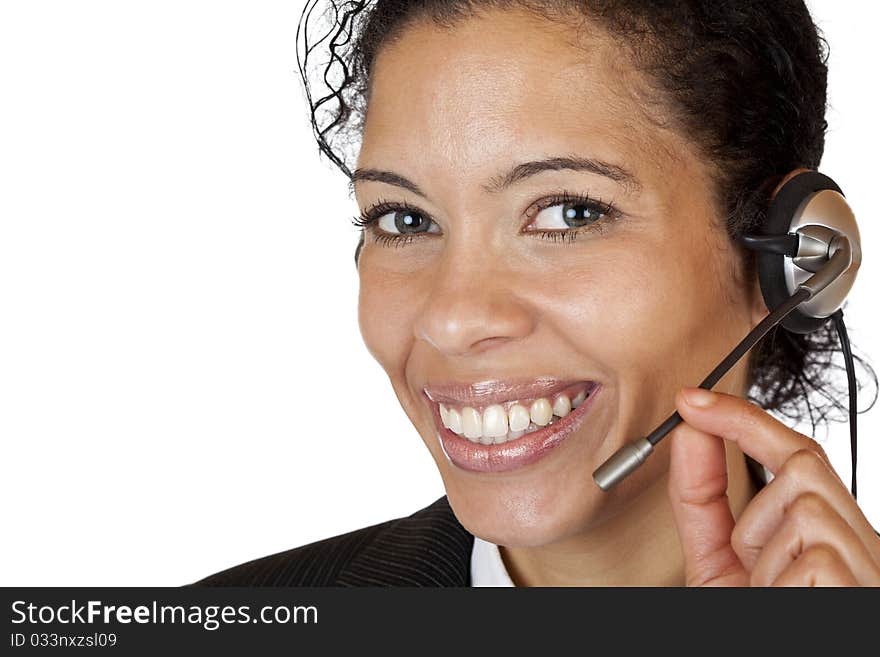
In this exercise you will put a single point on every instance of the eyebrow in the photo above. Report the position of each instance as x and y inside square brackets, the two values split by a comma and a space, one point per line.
[518, 173]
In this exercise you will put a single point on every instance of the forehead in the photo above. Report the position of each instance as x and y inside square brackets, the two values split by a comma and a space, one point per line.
[505, 84]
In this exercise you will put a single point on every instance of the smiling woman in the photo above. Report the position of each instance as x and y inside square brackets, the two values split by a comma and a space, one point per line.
[550, 195]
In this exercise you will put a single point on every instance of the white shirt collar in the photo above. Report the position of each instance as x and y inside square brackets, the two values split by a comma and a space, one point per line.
[487, 567]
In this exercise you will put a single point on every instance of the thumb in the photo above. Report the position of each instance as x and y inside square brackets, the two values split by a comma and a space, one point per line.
[698, 493]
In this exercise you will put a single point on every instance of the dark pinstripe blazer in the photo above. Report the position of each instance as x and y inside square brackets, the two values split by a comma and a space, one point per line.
[428, 548]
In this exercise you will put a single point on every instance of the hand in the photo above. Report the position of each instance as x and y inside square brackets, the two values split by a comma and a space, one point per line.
[802, 529]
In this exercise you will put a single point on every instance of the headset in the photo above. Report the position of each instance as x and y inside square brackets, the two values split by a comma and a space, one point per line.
[808, 253]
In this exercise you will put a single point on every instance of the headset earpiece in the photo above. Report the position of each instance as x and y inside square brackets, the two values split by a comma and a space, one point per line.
[804, 216]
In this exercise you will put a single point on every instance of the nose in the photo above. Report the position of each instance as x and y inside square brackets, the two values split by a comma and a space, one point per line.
[471, 306]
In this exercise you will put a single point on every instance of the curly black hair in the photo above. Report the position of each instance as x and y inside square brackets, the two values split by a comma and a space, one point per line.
[746, 82]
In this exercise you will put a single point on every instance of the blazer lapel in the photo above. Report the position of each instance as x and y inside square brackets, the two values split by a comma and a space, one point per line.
[427, 548]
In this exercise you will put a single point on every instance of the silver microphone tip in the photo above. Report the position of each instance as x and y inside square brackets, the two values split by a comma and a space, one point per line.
[622, 463]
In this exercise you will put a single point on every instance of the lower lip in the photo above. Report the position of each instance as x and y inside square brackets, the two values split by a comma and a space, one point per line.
[513, 454]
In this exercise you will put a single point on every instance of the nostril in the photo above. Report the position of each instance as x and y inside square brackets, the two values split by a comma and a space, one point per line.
[468, 329]
[463, 348]
[487, 343]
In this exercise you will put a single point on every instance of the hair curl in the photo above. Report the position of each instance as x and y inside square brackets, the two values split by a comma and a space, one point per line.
[746, 81]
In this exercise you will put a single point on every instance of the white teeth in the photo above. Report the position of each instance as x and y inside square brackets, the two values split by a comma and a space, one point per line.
[562, 406]
[541, 412]
[519, 417]
[494, 421]
[496, 426]
[471, 423]
[454, 419]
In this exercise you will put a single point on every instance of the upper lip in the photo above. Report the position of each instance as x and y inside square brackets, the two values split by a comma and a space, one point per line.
[495, 391]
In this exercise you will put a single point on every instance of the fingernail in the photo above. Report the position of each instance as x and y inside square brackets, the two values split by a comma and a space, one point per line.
[699, 397]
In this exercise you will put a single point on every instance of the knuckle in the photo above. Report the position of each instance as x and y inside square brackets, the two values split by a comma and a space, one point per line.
[820, 557]
[748, 417]
[807, 507]
[703, 492]
[742, 542]
[805, 463]
[815, 447]
[737, 539]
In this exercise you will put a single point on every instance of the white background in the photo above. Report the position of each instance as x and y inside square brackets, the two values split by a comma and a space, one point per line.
[183, 385]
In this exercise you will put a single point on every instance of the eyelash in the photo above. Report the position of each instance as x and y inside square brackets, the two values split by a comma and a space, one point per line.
[369, 217]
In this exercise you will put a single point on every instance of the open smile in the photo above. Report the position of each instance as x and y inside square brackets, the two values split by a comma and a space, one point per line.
[485, 432]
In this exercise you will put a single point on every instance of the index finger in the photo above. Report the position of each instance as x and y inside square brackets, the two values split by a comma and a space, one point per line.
[755, 431]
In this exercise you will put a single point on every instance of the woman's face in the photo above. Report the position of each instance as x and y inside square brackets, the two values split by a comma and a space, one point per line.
[485, 287]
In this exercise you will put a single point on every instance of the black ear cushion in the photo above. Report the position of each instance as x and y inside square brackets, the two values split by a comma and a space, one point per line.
[771, 270]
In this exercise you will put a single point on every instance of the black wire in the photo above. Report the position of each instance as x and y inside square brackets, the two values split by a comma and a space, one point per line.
[772, 319]
[853, 400]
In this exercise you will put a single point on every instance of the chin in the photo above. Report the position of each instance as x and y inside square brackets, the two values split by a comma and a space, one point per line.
[524, 518]
[515, 513]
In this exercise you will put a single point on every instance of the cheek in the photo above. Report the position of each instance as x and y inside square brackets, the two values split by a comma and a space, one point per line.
[648, 321]
[628, 309]
[387, 306]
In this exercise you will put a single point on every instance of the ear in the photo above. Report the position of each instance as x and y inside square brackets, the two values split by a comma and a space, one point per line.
[759, 308]
[786, 178]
